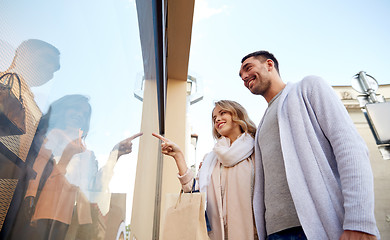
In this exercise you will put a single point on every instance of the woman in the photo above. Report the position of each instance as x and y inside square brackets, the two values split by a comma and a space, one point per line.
[74, 180]
[227, 173]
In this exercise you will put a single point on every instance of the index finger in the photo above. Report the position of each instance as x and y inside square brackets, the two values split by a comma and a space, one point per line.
[80, 135]
[136, 135]
[160, 137]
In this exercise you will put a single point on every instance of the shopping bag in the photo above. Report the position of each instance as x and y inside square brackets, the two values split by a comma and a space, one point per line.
[12, 112]
[185, 217]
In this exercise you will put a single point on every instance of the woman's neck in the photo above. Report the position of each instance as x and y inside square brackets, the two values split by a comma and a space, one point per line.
[233, 137]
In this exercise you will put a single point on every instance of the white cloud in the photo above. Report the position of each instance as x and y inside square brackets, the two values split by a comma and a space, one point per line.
[203, 10]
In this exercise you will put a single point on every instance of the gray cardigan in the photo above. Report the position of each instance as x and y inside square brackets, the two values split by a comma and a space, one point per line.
[327, 165]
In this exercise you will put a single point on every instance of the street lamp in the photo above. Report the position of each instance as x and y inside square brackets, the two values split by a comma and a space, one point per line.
[375, 109]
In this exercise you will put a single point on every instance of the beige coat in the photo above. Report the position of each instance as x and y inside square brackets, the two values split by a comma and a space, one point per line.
[233, 210]
[58, 196]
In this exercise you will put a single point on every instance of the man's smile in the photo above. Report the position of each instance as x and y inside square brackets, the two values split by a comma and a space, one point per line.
[250, 81]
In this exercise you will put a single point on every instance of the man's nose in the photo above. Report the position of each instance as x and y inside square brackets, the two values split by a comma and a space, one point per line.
[244, 77]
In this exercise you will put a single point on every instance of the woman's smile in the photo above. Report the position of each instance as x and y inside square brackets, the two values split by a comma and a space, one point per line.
[221, 124]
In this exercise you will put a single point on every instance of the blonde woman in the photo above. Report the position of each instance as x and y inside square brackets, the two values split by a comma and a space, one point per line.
[227, 172]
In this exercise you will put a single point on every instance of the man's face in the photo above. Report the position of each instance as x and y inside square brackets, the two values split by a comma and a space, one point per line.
[44, 64]
[256, 75]
[38, 67]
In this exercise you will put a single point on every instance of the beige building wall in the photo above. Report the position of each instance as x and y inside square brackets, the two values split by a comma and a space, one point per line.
[144, 195]
[175, 130]
[143, 210]
[179, 28]
[151, 187]
[380, 167]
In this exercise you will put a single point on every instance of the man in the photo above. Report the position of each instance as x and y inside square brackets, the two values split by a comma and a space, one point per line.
[313, 174]
[35, 62]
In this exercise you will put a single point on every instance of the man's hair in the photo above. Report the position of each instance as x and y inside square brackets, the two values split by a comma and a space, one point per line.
[262, 56]
[239, 116]
[35, 45]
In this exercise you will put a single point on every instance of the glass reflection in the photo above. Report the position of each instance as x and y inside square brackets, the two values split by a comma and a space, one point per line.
[34, 64]
[68, 186]
[60, 177]
[35, 61]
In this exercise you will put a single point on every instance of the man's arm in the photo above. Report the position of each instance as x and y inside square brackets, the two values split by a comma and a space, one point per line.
[351, 154]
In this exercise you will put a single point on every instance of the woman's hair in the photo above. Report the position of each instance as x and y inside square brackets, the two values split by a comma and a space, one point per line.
[239, 116]
[55, 116]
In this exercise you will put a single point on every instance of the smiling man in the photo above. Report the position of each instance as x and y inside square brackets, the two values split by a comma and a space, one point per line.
[313, 173]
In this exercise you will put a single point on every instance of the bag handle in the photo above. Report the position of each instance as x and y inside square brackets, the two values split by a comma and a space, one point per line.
[11, 83]
[181, 192]
[9, 80]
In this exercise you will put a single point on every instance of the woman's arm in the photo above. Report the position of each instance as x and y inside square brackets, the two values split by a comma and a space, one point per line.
[170, 148]
[73, 148]
[125, 146]
[104, 175]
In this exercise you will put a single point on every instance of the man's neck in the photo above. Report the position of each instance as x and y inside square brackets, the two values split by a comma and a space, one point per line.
[275, 88]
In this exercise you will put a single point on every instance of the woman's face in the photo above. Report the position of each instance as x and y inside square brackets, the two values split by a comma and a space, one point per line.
[77, 117]
[224, 125]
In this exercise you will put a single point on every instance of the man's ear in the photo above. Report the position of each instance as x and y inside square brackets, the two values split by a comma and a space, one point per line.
[270, 64]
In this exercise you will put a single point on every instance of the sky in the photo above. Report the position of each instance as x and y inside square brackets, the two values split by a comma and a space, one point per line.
[331, 39]
[101, 56]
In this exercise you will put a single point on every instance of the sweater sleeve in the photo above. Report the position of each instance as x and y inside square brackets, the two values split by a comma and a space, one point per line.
[186, 180]
[350, 152]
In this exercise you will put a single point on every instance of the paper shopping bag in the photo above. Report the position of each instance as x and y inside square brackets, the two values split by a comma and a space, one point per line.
[185, 217]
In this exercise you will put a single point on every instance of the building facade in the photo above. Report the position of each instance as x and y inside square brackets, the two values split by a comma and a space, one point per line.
[380, 167]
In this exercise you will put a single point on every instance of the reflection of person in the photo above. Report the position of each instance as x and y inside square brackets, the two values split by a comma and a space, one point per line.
[75, 179]
[35, 62]
[227, 173]
[313, 174]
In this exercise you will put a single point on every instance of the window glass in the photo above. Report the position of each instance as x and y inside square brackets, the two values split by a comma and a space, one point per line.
[68, 134]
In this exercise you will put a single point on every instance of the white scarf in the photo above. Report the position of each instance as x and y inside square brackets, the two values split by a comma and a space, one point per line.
[228, 155]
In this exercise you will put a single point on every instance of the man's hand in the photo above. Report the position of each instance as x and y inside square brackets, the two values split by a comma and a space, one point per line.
[355, 235]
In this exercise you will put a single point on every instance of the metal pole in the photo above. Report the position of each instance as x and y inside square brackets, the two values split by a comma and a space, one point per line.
[370, 92]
